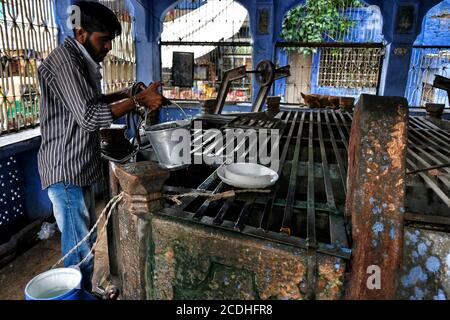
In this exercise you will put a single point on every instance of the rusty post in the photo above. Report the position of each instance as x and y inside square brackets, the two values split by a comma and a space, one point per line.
[273, 105]
[142, 184]
[435, 110]
[376, 195]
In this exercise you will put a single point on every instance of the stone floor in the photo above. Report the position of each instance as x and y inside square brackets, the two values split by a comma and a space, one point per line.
[15, 276]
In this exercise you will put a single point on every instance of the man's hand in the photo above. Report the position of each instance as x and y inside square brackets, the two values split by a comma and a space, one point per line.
[150, 97]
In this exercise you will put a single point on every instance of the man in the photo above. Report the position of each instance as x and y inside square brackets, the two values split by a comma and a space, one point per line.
[72, 112]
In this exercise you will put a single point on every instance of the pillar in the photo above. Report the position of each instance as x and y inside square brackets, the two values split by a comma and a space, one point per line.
[142, 185]
[376, 195]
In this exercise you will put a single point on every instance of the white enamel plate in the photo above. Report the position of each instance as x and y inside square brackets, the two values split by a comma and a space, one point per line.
[247, 175]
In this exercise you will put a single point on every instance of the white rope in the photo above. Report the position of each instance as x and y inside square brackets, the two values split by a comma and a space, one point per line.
[110, 206]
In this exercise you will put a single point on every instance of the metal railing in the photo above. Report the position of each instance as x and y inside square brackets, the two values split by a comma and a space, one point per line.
[426, 63]
[119, 67]
[342, 56]
[340, 69]
[28, 33]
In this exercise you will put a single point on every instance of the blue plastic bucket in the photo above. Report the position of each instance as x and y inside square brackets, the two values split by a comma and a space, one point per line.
[57, 284]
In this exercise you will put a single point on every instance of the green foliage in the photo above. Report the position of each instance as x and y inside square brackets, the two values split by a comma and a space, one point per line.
[316, 18]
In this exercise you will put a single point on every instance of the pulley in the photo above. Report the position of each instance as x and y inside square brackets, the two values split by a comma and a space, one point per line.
[264, 73]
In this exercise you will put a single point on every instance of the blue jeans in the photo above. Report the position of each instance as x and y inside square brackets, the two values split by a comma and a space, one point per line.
[74, 210]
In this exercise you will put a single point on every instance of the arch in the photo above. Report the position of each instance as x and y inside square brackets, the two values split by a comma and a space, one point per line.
[201, 2]
[209, 42]
[432, 32]
[430, 57]
[334, 71]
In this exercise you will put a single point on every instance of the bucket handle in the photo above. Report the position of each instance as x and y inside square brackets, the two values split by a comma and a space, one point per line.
[182, 110]
[186, 117]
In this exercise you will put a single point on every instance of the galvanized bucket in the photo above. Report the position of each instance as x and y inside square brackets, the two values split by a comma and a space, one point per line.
[160, 137]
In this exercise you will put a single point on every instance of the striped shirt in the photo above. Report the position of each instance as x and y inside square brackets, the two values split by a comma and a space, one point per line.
[71, 115]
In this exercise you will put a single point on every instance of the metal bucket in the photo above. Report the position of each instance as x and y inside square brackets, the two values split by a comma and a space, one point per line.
[160, 137]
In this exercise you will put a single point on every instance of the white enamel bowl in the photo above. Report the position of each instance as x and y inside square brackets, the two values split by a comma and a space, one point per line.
[248, 175]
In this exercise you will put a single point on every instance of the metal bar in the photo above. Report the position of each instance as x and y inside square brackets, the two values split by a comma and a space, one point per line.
[245, 213]
[281, 44]
[269, 206]
[205, 43]
[341, 133]
[311, 214]
[337, 226]
[218, 220]
[432, 184]
[440, 166]
[342, 167]
[181, 190]
[427, 128]
[437, 152]
[444, 179]
[311, 217]
[201, 211]
[322, 248]
[203, 186]
[425, 218]
[433, 139]
[287, 217]
[228, 77]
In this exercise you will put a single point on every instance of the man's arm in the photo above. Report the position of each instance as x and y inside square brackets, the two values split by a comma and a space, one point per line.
[149, 98]
[116, 96]
[70, 87]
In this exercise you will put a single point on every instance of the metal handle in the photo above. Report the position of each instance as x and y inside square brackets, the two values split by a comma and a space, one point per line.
[182, 110]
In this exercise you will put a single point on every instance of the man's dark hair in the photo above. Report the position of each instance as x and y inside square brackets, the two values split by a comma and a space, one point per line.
[96, 17]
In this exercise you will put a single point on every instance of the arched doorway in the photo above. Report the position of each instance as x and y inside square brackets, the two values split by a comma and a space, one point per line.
[334, 48]
[216, 34]
[430, 57]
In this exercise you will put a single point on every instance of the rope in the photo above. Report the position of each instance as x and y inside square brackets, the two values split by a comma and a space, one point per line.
[213, 197]
[110, 206]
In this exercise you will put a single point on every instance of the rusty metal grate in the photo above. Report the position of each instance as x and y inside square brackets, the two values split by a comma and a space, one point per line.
[304, 208]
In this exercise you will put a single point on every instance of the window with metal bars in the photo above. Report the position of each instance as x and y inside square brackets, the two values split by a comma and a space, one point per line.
[119, 67]
[426, 63]
[217, 32]
[28, 33]
[349, 67]
[342, 58]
